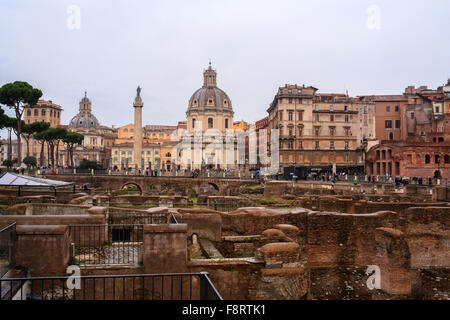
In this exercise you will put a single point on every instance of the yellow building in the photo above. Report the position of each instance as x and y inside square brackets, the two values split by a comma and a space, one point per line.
[240, 126]
[319, 132]
[156, 149]
[43, 111]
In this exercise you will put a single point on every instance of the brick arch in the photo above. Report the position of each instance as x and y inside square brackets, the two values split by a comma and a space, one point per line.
[141, 189]
[211, 183]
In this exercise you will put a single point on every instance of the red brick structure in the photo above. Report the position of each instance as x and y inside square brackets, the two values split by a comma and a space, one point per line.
[413, 134]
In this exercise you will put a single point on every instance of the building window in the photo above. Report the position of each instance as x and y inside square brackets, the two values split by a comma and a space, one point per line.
[396, 108]
[316, 107]
[290, 132]
[332, 132]
[346, 118]
[365, 109]
[388, 109]
[409, 159]
[331, 117]
[346, 145]
[388, 124]
[226, 123]
[300, 131]
[300, 145]
[300, 116]
[43, 112]
[317, 145]
[437, 159]
[331, 108]
[289, 91]
[125, 130]
[210, 122]
[36, 112]
[391, 136]
[437, 109]
[440, 139]
[397, 124]
[427, 158]
[317, 117]
[446, 159]
[29, 112]
[345, 108]
[193, 123]
[290, 145]
[412, 115]
[331, 145]
[290, 100]
[290, 115]
[280, 115]
[316, 130]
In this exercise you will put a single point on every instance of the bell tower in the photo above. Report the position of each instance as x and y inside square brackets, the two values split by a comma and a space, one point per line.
[209, 77]
[85, 104]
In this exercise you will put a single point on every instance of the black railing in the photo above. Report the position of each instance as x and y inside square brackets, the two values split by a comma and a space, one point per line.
[168, 286]
[215, 206]
[106, 244]
[136, 218]
[173, 220]
[7, 248]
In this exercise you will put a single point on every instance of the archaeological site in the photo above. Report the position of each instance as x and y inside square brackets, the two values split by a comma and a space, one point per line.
[171, 238]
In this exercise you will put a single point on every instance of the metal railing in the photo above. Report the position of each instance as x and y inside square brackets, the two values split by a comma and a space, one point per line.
[137, 218]
[103, 244]
[219, 206]
[168, 286]
[7, 248]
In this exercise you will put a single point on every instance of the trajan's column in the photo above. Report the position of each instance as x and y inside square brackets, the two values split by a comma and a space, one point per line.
[137, 147]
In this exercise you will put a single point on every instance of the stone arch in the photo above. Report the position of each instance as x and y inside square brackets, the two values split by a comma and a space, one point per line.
[141, 189]
[206, 184]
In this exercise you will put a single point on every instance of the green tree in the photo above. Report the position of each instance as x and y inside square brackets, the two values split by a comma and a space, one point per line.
[16, 95]
[40, 138]
[86, 164]
[30, 161]
[53, 136]
[9, 163]
[30, 129]
[71, 140]
[11, 126]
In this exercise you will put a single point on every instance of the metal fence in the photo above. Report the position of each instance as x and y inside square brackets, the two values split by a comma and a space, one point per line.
[169, 286]
[219, 206]
[7, 248]
[106, 244]
[137, 218]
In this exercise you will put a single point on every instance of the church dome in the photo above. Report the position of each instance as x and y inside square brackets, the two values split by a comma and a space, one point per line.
[84, 118]
[84, 121]
[209, 96]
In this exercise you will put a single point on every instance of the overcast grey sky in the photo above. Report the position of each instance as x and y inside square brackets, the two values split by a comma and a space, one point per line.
[256, 46]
